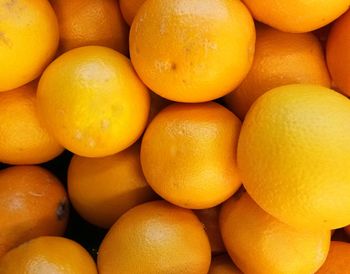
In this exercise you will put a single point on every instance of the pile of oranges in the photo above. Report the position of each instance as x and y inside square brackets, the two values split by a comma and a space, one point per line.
[193, 136]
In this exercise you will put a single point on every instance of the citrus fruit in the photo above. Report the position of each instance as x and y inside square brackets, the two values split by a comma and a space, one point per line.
[91, 23]
[294, 155]
[188, 154]
[259, 243]
[223, 265]
[129, 9]
[28, 40]
[88, 97]
[192, 50]
[338, 258]
[280, 58]
[155, 237]
[32, 203]
[44, 255]
[102, 189]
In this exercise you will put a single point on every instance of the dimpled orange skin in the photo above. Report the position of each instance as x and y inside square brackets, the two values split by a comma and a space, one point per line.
[259, 244]
[188, 154]
[28, 40]
[48, 255]
[32, 203]
[91, 22]
[223, 265]
[338, 258]
[102, 189]
[155, 237]
[192, 50]
[294, 156]
[92, 101]
[280, 59]
[297, 16]
[338, 55]
[23, 138]
[129, 9]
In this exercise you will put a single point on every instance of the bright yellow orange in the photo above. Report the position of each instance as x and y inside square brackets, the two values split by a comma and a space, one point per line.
[93, 102]
[129, 9]
[338, 258]
[188, 154]
[155, 237]
[338, 54]
[28, 40]
[32, 203]
[192, 50]
[102, 189]
[91, 23]
[298, 15]
[280, 59]
[223, 265]
[23, 138]
[294, 155]
[259, 243]
[44, 255]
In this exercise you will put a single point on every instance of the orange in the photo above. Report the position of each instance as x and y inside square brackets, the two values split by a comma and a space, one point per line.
[280, 58]
[210, 219]
[223, 265]
[129, 9]
[93, 102]
[32, 203]
[23, 138]
[188, 154]
[338, 258]
[157, 104]
[347, 230]
[260, 244]
[299, 15]
[28, 40]
[155, 237]
[192, 50]
[102, 189]
[294, 156]
[44, 255]
[338, 55]
[91, 23]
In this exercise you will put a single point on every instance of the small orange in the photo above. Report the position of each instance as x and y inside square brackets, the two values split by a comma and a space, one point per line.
[129, 9]
[91, 23]
[102, 189]
[48, 255]
[188, 154]
[338, 54]
[92, 101]
[338, 259]
[28, 40]
[155, 237]
[32, 203]
[223, 265]
[192, 50]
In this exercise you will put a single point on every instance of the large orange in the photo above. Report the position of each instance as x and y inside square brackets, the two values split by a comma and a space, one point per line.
[338, 259]
[192, 50]
[93, 102]
[48, 255]
[129, 9]
[294, 155]
[338, 54]
[155, 237]
[258, 243]
[188, 154]
[223, 265]
[280, 58]
[32, 203]
[28, 40]
[91, 22]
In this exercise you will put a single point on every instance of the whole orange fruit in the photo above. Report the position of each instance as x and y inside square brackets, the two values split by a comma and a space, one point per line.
[192, 50]
[223, 265]
[155, 237]
[129, 9]
[338, 258]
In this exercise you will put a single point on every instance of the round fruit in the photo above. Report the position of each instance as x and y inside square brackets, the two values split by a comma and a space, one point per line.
[204, 48]
[223, 265]
[259, 243]
[91, 23]
[28, 40]
[32, 203]
[155, 237]
[129, 9]
[188, 154]
[280, 58]
[294, 155]
[44, 255]
[93, 102]
[338, 258]
[298, 15]
[102, 189]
